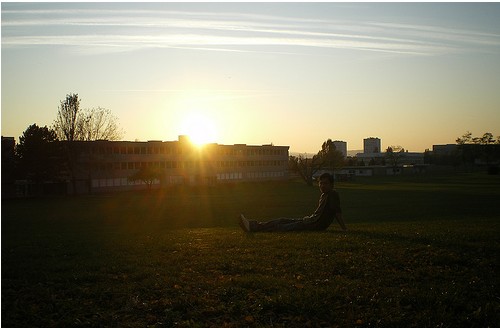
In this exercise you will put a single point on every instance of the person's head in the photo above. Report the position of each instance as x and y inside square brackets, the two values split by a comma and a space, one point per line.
[325, 182]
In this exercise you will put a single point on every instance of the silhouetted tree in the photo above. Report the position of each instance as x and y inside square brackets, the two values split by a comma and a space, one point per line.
[67, 129]
[98, 124]
[352, 161]
[394, 154]
[39, 154]
[75, 124]
[146, 174]
[66, 123]
[330, 156]
[486, 139]
[305, 167]
[327, 158]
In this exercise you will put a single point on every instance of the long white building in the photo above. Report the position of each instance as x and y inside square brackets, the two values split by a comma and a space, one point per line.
[108, 165]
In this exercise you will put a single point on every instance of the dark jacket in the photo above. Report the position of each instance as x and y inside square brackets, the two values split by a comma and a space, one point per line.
[328, 207]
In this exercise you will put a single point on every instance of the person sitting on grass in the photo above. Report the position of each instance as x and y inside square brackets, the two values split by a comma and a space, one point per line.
[328, 209]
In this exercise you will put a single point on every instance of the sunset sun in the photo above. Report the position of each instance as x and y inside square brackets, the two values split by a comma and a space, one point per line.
[199, 128]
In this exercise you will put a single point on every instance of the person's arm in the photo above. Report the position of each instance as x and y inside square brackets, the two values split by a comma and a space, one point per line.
[340, 220]
[335, 203]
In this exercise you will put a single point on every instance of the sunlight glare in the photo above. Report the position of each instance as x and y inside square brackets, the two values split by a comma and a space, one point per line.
[199, 128]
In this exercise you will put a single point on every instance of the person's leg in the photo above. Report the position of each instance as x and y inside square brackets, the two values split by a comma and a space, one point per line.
[281, 224]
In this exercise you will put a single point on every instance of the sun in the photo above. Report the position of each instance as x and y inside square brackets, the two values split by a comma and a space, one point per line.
[199, 128]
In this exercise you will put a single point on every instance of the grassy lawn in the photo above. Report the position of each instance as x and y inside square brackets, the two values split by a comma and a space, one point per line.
[421, 252]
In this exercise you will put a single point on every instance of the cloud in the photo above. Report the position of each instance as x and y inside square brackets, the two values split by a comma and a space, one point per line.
[443, 34]
[97, 31]
[212, 43]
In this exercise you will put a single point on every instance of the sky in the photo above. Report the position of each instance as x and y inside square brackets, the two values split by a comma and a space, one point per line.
[294, 74]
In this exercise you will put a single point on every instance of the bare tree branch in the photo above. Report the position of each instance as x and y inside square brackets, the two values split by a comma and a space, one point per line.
[66, 123]
[99, 124]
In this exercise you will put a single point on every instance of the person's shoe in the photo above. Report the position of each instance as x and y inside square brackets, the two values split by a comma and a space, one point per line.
[244, 224]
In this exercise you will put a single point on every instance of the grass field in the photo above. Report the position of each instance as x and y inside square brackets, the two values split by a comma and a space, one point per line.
[420, 252]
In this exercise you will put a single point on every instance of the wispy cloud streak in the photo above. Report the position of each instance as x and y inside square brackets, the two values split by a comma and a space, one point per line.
[128, 30]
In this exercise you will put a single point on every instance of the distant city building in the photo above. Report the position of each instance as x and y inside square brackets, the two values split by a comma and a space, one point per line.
[412, 158]
[8, 166]
[8, 146]
[371, 145]
[368, 157]
[8, 159]
[341, 146]
[442, 150]
[406, 158]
